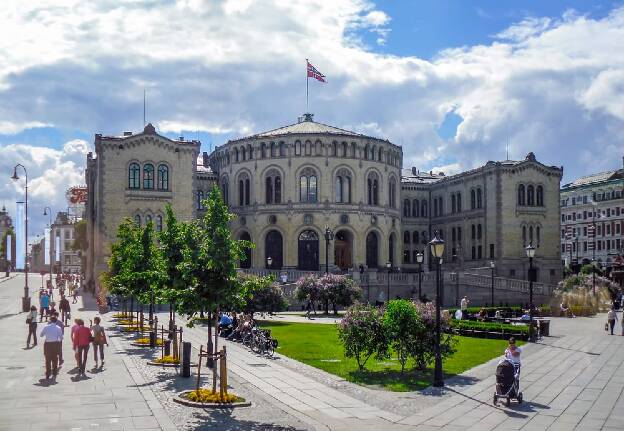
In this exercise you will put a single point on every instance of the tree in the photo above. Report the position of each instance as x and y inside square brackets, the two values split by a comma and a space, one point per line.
[307, 289]
[362, 334]
[423, 352]
[261, 293]
[209, 265]
[339, 290]
[404, 328]
[3, 245]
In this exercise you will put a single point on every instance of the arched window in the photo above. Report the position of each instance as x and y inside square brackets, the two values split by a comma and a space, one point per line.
[415, 239]
[244, 189]
[353, 149]
[537, 235]
[372, 250]
[159, 223]
[200, 197]
[137, 220]
[373, 188]
[148, 176]
[453, 204]
[272, 149]
[225, 190]
[345, 149]
[134, 176]
[250, 151]
[406, 237]
[380, 154]
[339, 189]
[236, 154]
[415, 209]
[453, 235]
[366, 149]
[148, 219]
[247, 191]
[530, 234]
[282, 149]
[392, 193]
[297, 148]
[479, 231]
[273, 187]
[473, 199]
[406, 208]
[163, 177]
[334, 149]
[263, 150]
[343, 186]
[424, 211]
[318, 148]
[241, 192]
[479, 198]
[308, 247]
[308, 148]
[243, 153]
[459, 202]
[521, 196]
[530, 196]
[308, 186]
[391, 242]
[459, 234]
[473, 232]
[524, 236]
[540, 196]
[273, 248]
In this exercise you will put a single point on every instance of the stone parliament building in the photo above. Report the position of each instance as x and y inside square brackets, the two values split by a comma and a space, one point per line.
[288, 185]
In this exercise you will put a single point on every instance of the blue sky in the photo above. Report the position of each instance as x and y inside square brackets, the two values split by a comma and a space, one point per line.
[453, 82]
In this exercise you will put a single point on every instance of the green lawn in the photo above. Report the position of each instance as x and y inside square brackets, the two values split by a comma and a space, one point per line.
[318, 345]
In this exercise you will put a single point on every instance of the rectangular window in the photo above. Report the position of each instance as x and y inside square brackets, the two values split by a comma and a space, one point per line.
[474, 252]
[584, 199]
[585, 231]
[512, 273]
[480, 252]
[599, 245]
[608, 212]
[491, 251]
[584, 246]
[562, 248]
[618, 243]
[617, 228]
[617, 211]
[573, 201]
[574, 216]
[562, 217]
[584, 215]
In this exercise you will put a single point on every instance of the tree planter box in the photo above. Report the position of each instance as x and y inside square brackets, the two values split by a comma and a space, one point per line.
[167, 365]
[181, 400]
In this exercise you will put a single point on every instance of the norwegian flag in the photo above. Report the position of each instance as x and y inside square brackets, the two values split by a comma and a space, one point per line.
[314, 73]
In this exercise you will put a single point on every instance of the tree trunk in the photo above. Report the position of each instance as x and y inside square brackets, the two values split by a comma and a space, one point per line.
[132, 309]
[335, 310]
[214, 364]
[327, 306]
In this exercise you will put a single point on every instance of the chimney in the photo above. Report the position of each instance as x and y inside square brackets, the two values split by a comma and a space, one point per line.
[414, 171]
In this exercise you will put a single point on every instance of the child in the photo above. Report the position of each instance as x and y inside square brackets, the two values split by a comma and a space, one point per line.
[512, 353]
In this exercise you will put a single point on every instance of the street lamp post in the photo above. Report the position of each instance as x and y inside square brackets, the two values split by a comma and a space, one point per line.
[419, 258]
[48, 211]
[492, 265]
[329, 235]
[389, 268]
[437, 250]
[15, 177]
[530, 252]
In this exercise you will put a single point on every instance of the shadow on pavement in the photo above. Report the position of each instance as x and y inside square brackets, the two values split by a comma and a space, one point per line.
[46, 382]
[567, 348]
[221, 418]
[510, 413]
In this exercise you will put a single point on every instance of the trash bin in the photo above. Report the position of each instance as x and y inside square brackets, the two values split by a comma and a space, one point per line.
[544, 326]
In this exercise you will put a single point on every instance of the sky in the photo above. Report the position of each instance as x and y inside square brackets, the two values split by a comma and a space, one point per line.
[456, 83]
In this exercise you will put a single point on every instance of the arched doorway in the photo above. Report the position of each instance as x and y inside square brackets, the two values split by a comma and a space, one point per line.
[273, 249]
[343, 246]
[391, 242]
[372, 250]
[246, 261]
[308, 251]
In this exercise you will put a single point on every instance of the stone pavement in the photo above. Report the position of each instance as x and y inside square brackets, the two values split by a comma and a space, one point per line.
[114, 399]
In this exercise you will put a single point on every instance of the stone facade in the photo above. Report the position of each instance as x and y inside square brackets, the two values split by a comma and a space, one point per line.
[594, 203]
[291, 186]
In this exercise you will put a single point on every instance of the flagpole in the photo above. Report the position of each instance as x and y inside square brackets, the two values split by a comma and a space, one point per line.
[307, 81]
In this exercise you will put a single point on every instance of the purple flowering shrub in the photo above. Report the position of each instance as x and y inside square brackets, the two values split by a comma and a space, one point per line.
[362, 334]
[339, 290]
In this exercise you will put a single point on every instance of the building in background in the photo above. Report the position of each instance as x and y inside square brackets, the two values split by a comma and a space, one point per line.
[6, 225]
[64, 258]
[592, 218]
[288, 184]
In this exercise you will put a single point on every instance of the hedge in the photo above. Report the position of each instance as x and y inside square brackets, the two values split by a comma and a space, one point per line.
[544, 310]
[489, 328]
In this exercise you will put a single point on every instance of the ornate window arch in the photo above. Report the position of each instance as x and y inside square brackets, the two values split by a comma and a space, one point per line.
[148, 176]
[163, 177]
[308, 148]
[297, 148]
[244, 189]
[345, 150]
[353, 150]
[373, 188]
[318, 148]
[250, 150]
[134, 176]
[282, 149]
[343, 183]
[308, 185]
[473, 199]
[137, 219]
[334, 149]
[521, 195]
[415, 208]
[272, 149]
[273, 186]
[392, 185]
[159, 223]
[243, 153]
[235, 154]
[366, 149]
[540, 196]
[406, 208]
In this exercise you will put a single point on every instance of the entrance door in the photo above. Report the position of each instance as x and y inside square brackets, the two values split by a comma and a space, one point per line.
[308, 251]
[342, 250]
[273, 249]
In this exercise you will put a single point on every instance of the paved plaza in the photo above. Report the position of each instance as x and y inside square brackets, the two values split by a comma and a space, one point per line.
[573, 380]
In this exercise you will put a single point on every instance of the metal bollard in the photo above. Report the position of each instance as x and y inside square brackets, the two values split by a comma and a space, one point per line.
[168, 348]
[186, 359]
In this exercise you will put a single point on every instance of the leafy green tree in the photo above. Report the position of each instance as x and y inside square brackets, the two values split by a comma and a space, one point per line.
[362, 334]
[123, 261]
[404, 328]
[262, 294]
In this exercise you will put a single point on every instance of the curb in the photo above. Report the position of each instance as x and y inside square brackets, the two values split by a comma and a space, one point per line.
[167, 365]
[178, 399]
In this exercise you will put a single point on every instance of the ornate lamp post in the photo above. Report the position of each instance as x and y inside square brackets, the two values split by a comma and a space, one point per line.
[48, 211]
[419, 258]
[329, 235]
[530, 252]
[437, 250]
[389, 268]
[15, 177]
[492, 266]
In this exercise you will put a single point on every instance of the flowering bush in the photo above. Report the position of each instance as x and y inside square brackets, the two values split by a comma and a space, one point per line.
[209, 396]
[339, 290]
[577, 292]
[362, 334]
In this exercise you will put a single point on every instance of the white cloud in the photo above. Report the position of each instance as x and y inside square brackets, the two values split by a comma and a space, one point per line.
[230, 67]
[12, 128]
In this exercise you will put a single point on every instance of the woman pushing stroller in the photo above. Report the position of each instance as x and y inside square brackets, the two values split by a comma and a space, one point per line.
[508, 375]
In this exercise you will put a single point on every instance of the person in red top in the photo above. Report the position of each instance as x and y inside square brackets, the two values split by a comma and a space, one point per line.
[82, 341]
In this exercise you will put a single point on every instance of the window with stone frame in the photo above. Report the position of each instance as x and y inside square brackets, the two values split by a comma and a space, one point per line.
[134, 176]
[373, 188]
[273, 187]
[308, 186]
[163, 177]
[148, 176]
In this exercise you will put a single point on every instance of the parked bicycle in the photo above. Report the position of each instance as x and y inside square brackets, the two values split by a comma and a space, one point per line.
[259, 341]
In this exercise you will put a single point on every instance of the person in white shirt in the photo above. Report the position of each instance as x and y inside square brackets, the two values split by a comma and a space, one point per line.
[464, 307]
[52, 347]
[512, 353]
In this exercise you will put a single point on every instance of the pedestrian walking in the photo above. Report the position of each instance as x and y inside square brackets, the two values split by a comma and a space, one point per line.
[52, 346]
[82, 341]
[44, 305]
[611, 318]
[74, 328]
[74, 295]
[65, 308]
[99, 340]
[31, 321]
[62, 326]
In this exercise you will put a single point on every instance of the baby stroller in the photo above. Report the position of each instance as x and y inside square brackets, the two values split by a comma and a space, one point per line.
[507, 382]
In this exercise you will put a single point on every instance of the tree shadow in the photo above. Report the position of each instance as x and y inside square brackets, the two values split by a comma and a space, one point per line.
[394, 380]
[223, 418]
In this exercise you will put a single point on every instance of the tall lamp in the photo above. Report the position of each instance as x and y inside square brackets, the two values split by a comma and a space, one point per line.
[389, 268]
[419, 258]
[15, 177]
[530, 252]
[48, 211]
[437, 251]
[329, 235]
[492, 266]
